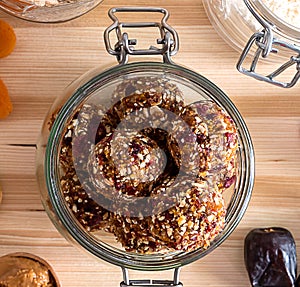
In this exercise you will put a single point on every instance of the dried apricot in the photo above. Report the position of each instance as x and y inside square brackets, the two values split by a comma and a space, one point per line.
[5, 102]
[7, 39]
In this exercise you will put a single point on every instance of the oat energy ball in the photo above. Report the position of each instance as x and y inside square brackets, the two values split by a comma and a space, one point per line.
[223, 143]
[148, 168]
[191, 224]
[170, 97]
[127, 164]
[184, 153]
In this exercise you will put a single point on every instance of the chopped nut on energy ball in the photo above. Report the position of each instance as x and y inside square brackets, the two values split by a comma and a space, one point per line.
[149, 169]
[223, 143]
[191, 224]
[127, 164]
[170, 97]
[185, 153]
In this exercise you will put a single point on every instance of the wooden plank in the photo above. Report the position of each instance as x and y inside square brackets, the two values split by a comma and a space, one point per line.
[48, 57]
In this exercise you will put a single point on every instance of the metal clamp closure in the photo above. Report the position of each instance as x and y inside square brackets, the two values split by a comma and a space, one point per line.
[266, 43]
[150, 283]
[263, 49]
[125, 46]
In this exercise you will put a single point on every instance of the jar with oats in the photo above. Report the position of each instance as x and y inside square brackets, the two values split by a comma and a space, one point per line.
[147, 165]
[265, 32]
[48, 11]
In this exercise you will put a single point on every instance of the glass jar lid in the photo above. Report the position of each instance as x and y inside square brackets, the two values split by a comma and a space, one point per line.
[148, 165]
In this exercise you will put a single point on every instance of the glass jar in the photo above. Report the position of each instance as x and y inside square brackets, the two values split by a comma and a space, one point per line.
[261, 30]
[48, 11]
[146, 165]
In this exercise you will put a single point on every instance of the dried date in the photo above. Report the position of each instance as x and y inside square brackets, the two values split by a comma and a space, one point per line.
[270, 257]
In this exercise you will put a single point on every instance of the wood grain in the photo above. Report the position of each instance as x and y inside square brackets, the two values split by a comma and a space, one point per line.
[48, 57]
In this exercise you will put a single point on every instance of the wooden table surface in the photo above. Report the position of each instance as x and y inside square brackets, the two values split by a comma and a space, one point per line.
[48, 57]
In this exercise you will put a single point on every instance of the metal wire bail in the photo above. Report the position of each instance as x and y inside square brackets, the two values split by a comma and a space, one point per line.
[150, 283]
[266, 43]
[124, 47]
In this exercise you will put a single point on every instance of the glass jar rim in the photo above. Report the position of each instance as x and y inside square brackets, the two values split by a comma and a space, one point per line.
[283, 28]
[116, 256]
[50, 13]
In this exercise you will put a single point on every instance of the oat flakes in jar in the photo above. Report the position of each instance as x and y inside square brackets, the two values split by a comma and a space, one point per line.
[48, 11]
[265, 32]
[146, 165]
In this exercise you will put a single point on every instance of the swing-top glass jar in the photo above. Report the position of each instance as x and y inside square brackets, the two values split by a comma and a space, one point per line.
[146, 165]
[265, 31]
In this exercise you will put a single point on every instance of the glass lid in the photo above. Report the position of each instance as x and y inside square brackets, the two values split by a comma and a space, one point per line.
[149, 165]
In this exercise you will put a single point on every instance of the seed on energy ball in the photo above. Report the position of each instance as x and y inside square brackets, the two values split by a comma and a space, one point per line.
[270, 257]
[127, 158]
[144, 161]
[190, 148]
[126, 164]
[191, 224]
[87, 212]
[132, 110]
[170, 96]
[223, 142]
[199, 217]
[75, 147]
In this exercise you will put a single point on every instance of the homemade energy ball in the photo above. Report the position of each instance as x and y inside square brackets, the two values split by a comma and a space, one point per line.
[126, 164]
[148, 168]
[190, 224]
[223, 143]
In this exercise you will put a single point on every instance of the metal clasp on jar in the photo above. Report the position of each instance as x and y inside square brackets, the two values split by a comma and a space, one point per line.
[266, 43]
[258, 39]
[125, 46]
[151, 283]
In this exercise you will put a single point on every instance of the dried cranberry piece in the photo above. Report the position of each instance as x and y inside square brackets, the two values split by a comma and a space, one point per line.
[270, 257]
[229, 181]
